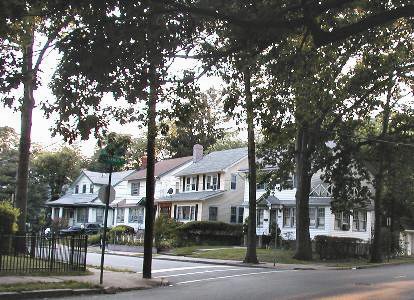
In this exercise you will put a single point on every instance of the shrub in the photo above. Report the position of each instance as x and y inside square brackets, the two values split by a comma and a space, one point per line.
[210, 233]
[8, 218]
[122, 229]
[165, 232]
[329, 247]
[58, 224]
[94, 239]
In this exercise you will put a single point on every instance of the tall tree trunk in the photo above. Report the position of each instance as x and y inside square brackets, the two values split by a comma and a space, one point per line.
[303, 178]
[251, 256]
[376, 251]
[150, 180]
[26, 109]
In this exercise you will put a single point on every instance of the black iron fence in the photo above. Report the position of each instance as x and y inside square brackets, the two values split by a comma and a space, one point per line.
[42, 253]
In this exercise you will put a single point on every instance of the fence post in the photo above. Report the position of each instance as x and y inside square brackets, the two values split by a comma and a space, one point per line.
[72, 251]
[52, 252]
[32, 245]
[86, 252]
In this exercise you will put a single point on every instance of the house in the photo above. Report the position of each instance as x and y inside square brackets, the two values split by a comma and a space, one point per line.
[279, 207]
[210, 189]
[129, 203]
[81, 204]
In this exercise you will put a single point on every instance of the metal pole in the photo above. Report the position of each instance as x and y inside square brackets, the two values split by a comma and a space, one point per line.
[108, 190]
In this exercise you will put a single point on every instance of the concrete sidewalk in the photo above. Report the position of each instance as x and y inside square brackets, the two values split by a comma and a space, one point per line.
[221, 261]
[112, 282]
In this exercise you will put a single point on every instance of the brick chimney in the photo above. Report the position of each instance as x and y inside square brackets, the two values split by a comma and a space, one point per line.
[143, 162]
[197, 152]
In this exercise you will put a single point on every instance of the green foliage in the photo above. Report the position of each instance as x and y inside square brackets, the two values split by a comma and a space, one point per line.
[58, 224]
[229, 141]
[122, 229]
[8, 218]
[8, 162]
[210, 233]
[165, 232]
[94, 239]
[329, 247]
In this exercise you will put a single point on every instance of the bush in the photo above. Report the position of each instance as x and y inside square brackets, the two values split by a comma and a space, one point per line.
[165, 232]
[94, 239]
[329, 247]
[58, 224]
[8, 218]
[210, 233]
[121, 229]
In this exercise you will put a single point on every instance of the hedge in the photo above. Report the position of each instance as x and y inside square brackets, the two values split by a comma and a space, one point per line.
[165, 232]
[8, 218]
[210, 233]
[329, 247]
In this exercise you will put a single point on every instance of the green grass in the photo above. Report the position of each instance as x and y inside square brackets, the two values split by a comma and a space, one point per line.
[32, 286]
[275, 255]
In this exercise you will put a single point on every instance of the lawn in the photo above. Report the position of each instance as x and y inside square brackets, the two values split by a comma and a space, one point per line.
[273, 255]
[32, 286]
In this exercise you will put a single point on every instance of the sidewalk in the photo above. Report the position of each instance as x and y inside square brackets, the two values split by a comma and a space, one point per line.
[112, 282]
[221, 261]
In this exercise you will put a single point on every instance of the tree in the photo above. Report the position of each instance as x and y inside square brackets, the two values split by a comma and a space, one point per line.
[196, 120]
[8, 162]
[20, 65]
[229, 141]
[57, 169]
[135, 43]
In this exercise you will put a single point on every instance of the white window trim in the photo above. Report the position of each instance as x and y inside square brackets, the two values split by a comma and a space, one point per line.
[189, 185]
[192, 213]
[317, 225]
[210, 186]
[365, 213]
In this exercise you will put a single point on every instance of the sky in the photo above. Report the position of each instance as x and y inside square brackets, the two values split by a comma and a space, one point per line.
[41, 125]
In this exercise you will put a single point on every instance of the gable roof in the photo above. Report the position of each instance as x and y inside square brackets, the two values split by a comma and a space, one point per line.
[162, 167]
[77, 200]
[102, 178]
[215, 161]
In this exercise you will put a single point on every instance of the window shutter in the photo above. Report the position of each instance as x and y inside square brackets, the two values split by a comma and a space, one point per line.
[204, 182]
[175, 212]
[197, 182]
[218, 181]
[183, 183]
[196, 212]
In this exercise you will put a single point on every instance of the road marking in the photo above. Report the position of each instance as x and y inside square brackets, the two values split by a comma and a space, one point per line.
[231, 276]
[202, 272]
[188, 268]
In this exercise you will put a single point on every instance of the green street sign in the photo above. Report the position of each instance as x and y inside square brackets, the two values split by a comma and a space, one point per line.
[104, 157]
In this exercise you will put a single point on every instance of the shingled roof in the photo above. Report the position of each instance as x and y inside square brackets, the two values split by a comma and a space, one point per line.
[162, 167]
[102, 178]
[215, 162]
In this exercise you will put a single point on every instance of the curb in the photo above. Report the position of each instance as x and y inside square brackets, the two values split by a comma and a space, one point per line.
[76, 292]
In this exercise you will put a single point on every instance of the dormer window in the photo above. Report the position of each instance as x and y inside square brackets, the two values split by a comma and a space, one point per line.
[77, 189]
[84, 189]
[135, 188]
[211, 182]
[191, 183]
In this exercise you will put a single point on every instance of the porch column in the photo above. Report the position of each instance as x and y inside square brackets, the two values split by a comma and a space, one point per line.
[60, 212]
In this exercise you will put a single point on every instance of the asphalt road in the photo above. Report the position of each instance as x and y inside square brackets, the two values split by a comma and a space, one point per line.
[202, 281]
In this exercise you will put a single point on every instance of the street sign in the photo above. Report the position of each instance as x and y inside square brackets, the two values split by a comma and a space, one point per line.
[102, 193]
[113, 160]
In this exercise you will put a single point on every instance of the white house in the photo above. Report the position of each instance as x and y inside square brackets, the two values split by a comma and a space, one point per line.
[129, 203]
[210, 189]
[81, 204]
[280, 207]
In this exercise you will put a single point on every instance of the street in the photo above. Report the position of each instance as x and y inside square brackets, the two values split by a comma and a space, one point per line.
[204, 281]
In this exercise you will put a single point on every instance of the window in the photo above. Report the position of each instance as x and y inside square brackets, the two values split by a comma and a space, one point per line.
[136, 215]
[84, 189]
[134, 188]
[186, 213]
[99, 215]
[236, 214]
[77, 189]
[177, 187]
[191, 183]
[316, 217]
[56, 212]
[91, 189]
[211, 182]
[82, 215]
[120, 215]
[240, 216]
[342, 221]
[212, 213]
[233, 181]
[261, 186]
[289, 218]
[259, 217]
[360, 220]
